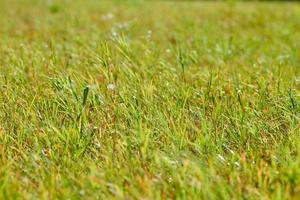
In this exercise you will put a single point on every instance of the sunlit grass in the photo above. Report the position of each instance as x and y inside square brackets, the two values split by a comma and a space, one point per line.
[149, 100]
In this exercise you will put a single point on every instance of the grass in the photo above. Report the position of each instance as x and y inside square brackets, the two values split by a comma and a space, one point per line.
[149, 100]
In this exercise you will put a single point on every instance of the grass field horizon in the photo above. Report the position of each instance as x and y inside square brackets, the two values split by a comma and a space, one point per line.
[149, 100]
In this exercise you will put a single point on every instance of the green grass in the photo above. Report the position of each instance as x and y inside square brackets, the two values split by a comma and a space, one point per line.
[149, 100]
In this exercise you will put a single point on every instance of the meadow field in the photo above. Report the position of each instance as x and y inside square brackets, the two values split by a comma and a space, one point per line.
[149, 100]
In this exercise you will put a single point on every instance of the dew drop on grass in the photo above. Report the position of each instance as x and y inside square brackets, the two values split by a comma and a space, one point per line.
[107, 17]
[149, 35]
[81, 192]
[221, 158]
[97, 145]
[111, 87]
